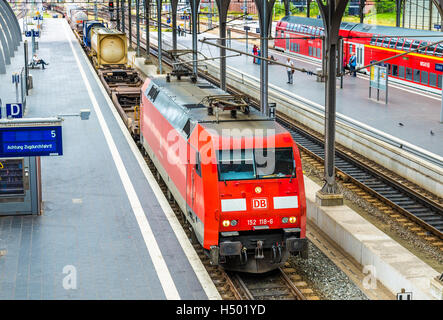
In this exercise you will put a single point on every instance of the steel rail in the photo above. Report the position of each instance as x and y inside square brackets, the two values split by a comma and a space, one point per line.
[435, 208]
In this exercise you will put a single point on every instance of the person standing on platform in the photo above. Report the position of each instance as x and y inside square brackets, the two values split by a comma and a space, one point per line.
[258, 55]
[255, 51]
[353, 64]
[290, 70]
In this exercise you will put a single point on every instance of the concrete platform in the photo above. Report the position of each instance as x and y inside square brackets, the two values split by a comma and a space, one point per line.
[105, 223]
[418, 112]
[392, 264]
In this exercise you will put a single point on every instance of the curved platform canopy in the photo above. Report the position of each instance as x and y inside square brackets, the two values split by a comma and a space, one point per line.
[10, 35]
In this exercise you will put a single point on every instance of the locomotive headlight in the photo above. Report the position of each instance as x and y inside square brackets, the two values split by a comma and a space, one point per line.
[285, 220]
[226, 223]
[292, 219]
[234, 223]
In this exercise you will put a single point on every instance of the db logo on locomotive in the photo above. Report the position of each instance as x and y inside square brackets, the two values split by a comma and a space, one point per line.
[261, 203]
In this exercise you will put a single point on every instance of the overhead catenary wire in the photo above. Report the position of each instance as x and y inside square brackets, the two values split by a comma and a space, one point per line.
[258, 57]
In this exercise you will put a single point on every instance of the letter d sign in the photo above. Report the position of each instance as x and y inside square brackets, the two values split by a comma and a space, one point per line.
[14, 110]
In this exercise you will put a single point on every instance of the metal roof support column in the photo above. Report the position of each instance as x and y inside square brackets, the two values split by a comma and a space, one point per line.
[118, 15]
[6, 41]
[398, 5]
[360, 11]
[287, 7]
[123, 16]
[174, 6]
[148, 40]
[14, 24]
[195, 4]
[308, 8]
[222, 6]
[159, 36]
[332, 14]
[137, 25]
[130, 22]
[264, 8]
[439, 5]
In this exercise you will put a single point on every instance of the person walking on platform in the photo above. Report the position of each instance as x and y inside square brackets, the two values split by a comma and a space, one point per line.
[290, 70]
[353, 64]
[255, 51]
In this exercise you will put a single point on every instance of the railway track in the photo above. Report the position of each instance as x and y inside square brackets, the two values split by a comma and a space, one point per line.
[415, 209]
[233, 286]
[394, 193]
[281, 284]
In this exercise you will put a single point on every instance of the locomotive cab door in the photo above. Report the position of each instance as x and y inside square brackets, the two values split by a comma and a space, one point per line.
[194, 193]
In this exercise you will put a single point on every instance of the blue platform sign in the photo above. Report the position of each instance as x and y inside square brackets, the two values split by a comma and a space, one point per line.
[13, 110]
[35, 33]
[28, 33]
[439, 67]
[437, 26]
[31, 141]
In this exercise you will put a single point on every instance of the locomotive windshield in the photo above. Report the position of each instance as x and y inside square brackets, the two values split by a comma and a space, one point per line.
[236, 165]
[256, 164]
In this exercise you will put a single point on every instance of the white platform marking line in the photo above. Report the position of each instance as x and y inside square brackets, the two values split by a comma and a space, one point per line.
[196, 264]
[154, 251]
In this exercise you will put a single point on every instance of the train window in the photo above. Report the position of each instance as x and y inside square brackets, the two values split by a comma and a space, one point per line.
[424, 77]
[408, 73]
[319, 52]
[439, 81]
[236, 165]
[393, 43]
[275, 163]
[310, 51]
[416, 75]
[394, 70]
[415, 44]
[297, 27]
[432, 79]
[317, 32]
[400, 43]
[407, 45]
[388, 65]
[372, 40]
[379, 41]
[386, 42]
[401, 72]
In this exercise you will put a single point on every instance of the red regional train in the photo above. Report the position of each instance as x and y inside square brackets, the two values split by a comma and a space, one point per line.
[235, 174]
[422, 69]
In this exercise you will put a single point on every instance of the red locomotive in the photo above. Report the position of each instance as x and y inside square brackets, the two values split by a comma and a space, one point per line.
[235, 174]
[422, 69]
